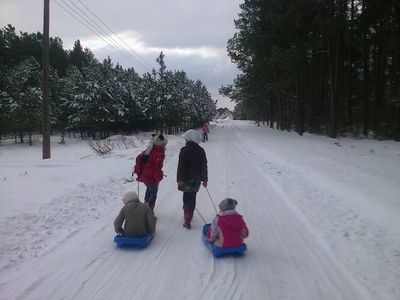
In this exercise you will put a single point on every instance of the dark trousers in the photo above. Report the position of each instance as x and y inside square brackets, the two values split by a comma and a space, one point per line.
[151, 193]
[189, 205]
[189, 201]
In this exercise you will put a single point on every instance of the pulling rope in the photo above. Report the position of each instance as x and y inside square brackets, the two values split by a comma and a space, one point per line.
[212, 201]
[200, 216]
[212, 204]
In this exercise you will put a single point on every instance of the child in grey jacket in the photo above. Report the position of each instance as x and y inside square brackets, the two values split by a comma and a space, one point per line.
[135, 219]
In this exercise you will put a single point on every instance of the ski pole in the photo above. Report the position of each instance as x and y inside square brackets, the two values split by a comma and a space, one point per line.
[200, 216]
[211, 201]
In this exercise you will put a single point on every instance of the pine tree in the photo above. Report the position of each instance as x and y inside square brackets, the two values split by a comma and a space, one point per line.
[24, 97]
[91, 97]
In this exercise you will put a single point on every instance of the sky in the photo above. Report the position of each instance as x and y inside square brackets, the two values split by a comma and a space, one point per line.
[192, 34]
[323, 216]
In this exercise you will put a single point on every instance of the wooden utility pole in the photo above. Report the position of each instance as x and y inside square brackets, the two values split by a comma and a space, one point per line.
[46, 109]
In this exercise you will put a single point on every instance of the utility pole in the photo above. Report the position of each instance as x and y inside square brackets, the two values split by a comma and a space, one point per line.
[46, 109]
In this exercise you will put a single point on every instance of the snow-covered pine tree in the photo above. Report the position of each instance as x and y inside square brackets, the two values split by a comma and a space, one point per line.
[25, 97]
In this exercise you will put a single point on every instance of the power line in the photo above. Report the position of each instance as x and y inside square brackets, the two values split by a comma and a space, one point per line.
[76, 15]
[97, 27]
[107, 34]
[91, 29]
[116, 35]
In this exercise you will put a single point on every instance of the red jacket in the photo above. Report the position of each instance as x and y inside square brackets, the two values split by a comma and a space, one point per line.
[152, 171]
[228, 229]
[205, 128]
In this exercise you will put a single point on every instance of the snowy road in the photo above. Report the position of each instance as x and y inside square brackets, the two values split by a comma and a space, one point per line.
[289, 256]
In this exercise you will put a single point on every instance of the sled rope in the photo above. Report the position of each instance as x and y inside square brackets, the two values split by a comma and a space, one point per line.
[211, 201]
[200, 216]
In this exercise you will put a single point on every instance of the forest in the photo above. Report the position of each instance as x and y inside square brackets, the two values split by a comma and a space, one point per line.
[328, 67]
[91, 98]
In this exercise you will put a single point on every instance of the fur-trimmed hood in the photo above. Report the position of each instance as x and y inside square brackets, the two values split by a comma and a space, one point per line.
[160, 140]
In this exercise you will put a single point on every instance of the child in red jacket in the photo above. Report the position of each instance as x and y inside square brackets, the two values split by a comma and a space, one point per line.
[149, 169]
[228, 228]
[205, 131]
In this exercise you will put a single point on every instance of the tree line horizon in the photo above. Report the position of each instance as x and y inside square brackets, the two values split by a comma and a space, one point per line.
[94, 99]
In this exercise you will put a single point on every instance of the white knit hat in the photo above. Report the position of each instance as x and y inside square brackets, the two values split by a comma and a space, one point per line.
[129, 196]
[192, 136]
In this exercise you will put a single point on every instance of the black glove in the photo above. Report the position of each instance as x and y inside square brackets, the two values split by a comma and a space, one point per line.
[145, 159]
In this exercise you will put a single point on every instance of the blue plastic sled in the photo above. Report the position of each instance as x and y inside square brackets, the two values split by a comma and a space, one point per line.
[136, 242]
[218, 251]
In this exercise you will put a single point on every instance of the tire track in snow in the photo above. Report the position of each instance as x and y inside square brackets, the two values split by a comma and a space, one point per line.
[160, 249]
[93, 273]
[46, 230]
[227, 280]
[261, 193]
[321, 266]
[331, 188]
[77, 280]
[53, 224]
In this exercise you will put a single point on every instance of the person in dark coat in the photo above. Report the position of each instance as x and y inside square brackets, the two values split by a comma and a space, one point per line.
[151, 172]
[135, 218]
[192, 171]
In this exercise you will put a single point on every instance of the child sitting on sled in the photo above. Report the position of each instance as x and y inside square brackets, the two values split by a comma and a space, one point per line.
[138, 219]
[228, 228]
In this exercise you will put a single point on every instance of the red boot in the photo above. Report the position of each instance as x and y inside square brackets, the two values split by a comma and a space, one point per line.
[188, 219]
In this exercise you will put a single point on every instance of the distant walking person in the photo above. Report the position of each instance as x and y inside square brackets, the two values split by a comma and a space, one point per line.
[205, 131]
[149, 168]
[192, 171]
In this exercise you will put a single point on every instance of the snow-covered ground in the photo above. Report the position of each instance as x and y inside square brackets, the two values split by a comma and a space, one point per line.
[323, 216]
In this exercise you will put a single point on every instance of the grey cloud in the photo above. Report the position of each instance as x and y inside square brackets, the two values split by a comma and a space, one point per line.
[178, 23]
[174, 23]
[161, 24]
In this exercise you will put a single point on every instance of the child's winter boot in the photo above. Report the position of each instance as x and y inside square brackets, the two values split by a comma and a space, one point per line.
[188, 219]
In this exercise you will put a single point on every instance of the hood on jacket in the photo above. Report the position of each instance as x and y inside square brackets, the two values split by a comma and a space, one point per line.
[130, 196]
[192, 136]
[160, 140]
